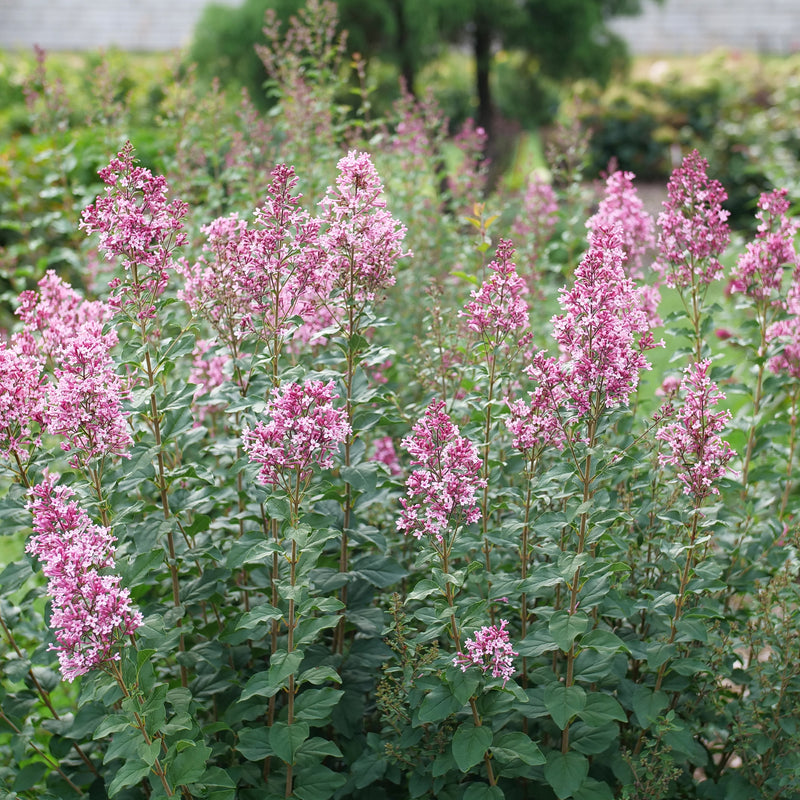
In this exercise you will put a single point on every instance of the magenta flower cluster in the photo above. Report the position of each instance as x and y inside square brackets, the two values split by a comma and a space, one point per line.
[22, 402]
[695, 447]
[140, 228]
[489, 649]
[362, 240]
[303, 430]
[693, 226]
[759, 270]
[91, 611]
[440, 493]
[603, 330]
[621, 206]
[785, 334]
[85, 405]
[498, 308]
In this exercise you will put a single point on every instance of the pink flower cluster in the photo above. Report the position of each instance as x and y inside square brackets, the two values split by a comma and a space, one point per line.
[489, 649]
[696, 449]
[362, 240]
[138, 226]
[91, 612]
[385, 453]
[603, 330]
[257, 277]
[759, 270]
[534, 225]
[22, 402]
[536, 424]
[303, 430]
[54, 314]
[498, 308]
[622, 206]
[786, 333]
[85, 405]
[441, 492]
[693, 228]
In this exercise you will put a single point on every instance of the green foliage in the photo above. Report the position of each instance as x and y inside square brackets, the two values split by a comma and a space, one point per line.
[300, 645]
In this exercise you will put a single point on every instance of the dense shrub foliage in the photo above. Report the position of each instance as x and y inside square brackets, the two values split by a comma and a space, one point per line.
[325, 475]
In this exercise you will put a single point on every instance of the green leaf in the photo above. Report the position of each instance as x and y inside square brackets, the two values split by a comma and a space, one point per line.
[470, 743]
[423, 589]
[318, 783]
[259, 685]
[516, 744]
[565, 627]
[253, 743]
[285, 739]
[564, 702]
[131, 771]
[648, 705]
[318, 675]
[29, 776]
[114, 723]
[594, 790]
[283, 664]
[601, 709]
[189, 765]
[591, 740]
[566, 772]
[463, 685]
[482, 791]
[380, 571]
[438, 705]
[315, 705]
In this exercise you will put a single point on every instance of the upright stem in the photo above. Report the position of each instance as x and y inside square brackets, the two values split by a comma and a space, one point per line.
[792, 446]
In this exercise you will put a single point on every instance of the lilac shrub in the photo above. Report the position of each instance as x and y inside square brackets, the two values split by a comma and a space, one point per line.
[302, 514]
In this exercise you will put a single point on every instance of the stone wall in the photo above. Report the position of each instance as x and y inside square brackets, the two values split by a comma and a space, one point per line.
[676, 26]
[697, 26]
[88, 24]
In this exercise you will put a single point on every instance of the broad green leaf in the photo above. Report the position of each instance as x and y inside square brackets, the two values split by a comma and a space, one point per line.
[380, 571]
[285, 739]
[131, 771]
[470, 743]
[438, 705]
[594, 790]
[253, 743]
[315, 705]
[259, 685]
[648, 705]
[318, 783]
[516, 744]
[591, 740]
[283, 664]
[463, 685]
[564, 702]
[566, 772]
[189, 765]
[537, 642]
[565, 627]
[29, 776]
[114, 723]
[482, 791]
[318, 675]
[601, 709]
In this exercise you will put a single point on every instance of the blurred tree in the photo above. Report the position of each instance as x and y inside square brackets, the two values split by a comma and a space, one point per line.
[565, 38]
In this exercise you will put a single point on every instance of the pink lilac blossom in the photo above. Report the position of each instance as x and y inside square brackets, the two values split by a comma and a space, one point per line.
[440, 493]
[22, 402]
[85, 402]
[384, 453]
[489, 649]
[91, 612]
[140, 228]
[695, 447]
[786, 334]
[498, 308]
[622, 206]
[693, 228]
[303, 430]
[53, 315]
[604, 330]
[535, 224]
[362, 240]
[759, 269]
[537, 424]
[468, 181]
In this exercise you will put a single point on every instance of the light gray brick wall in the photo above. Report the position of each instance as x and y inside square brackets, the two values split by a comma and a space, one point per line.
[675, 27]
[88, 24]
[697, 26]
